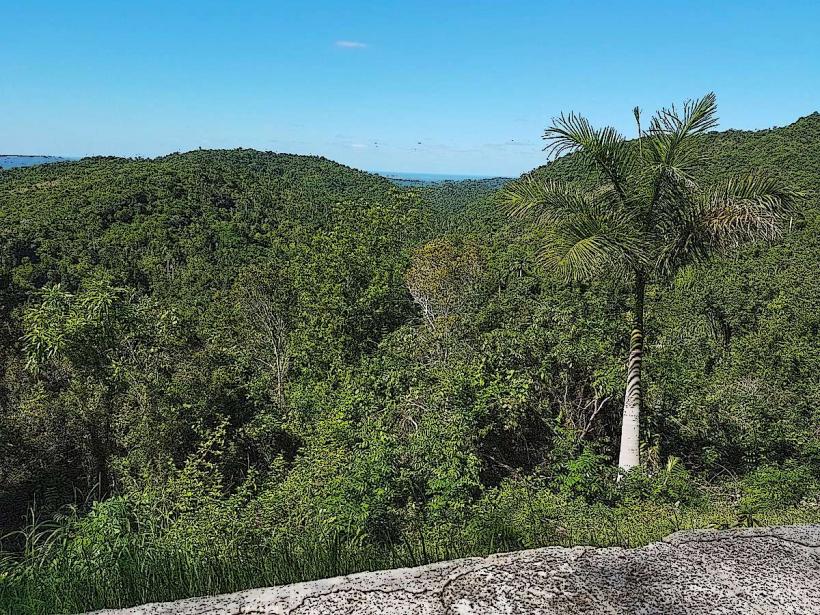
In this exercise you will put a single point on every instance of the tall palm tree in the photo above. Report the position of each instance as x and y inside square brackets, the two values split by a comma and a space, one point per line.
[645, 217]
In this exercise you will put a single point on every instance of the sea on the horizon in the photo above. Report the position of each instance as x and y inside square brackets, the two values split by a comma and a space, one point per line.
[432, 177]
[14, 161]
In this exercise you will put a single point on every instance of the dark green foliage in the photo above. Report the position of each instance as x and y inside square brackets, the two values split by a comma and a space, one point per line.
[464, 205]
[214, 359]
[154, 278]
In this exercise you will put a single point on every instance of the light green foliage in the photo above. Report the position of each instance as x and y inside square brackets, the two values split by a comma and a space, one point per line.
[771, 487]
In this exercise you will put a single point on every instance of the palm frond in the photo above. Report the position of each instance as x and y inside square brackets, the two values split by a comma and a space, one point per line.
[748, 208]
[604, 148]
[682, 244]
[577, 255]
[698, 116]
[671, 153]
[740, 210]
[669, 143]
[582, 245]
[547, 201]
[586, 230]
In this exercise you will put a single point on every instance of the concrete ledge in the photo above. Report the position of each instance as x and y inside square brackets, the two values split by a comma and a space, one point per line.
[750, 571]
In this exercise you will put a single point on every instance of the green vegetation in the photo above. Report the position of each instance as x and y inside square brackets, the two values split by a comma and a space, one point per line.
[226, 369]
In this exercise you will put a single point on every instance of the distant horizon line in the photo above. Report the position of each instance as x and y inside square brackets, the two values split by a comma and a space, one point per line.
[409, 175]
[390, 174]
[423, 175]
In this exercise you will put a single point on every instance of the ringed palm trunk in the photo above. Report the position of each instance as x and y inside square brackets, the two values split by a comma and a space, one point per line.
[630, 429]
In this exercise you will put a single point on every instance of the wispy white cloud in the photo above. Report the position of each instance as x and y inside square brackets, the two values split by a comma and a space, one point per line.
[351, 44]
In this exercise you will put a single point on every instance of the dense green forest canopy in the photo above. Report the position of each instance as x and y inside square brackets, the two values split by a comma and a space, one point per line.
[253, 349]
[183, 254]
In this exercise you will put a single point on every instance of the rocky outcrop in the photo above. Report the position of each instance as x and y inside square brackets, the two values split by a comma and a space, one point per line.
[752, 571]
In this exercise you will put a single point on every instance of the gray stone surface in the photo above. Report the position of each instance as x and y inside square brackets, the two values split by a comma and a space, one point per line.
[752, 571]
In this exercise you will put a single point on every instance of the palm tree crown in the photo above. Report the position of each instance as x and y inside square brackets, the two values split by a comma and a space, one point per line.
[647, 214]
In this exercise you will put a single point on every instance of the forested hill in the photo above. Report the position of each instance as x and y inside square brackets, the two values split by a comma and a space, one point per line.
[253, 368]
[183, 242]
[184, 223]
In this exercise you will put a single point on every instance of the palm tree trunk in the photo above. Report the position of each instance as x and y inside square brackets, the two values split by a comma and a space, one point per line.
[630, 429]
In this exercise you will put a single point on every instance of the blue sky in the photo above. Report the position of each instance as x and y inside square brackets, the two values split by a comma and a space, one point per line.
[447, 87]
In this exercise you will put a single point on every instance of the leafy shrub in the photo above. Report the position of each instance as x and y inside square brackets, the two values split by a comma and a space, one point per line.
[671, 484]
[590, 476]
[770, 487]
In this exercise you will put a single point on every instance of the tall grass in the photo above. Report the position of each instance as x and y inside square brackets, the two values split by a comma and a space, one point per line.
[56, 571]
[142, 573]
[139, 575]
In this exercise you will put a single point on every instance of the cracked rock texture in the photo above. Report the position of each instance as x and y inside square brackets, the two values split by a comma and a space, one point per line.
[751, 571]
